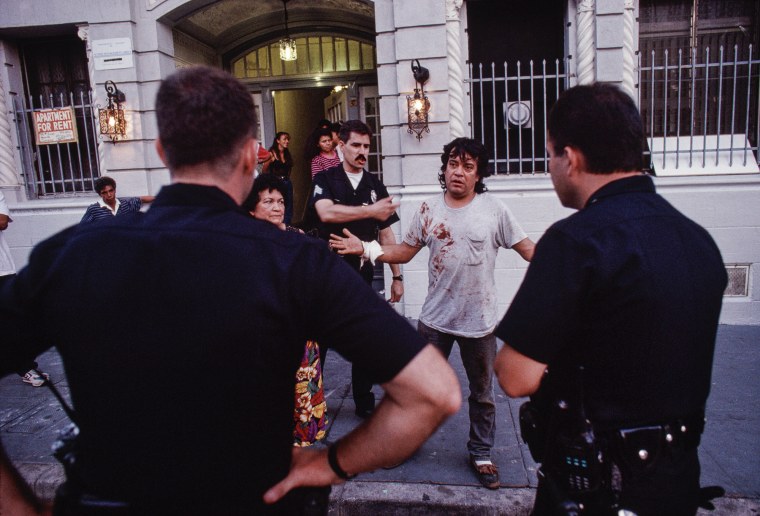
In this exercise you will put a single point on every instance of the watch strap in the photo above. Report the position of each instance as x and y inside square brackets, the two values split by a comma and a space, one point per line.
[332, 459]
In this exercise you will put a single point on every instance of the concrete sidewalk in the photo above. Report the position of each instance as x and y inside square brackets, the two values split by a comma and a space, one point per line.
[437, 479]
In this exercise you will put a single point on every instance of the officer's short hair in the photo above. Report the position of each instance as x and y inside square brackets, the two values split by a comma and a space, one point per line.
[603, 123]
[204, 115]
[353, 126]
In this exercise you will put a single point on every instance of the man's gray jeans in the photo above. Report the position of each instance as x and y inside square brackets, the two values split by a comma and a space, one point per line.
[478, 355]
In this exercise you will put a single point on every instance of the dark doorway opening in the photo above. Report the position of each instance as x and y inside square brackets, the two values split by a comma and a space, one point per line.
[517, 58]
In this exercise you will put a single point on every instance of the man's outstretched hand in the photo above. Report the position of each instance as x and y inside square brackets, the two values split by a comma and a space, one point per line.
[350, 244]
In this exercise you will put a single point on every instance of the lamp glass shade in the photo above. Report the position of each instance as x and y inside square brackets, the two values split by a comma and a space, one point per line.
[418, 107]
[112, 122]
[288, 49]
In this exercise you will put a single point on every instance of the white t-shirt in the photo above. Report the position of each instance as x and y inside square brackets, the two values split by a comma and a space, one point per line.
[354, 177]
[6, 262]
[463, 245]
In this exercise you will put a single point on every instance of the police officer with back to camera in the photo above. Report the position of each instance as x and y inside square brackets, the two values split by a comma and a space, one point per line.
[613, 329]
[211, 309]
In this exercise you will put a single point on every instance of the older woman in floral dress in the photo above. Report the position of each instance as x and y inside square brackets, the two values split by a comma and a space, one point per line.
[267, 202]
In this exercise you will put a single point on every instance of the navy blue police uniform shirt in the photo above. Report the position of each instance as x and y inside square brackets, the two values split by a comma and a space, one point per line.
[631, 288]
[334, 185]
[180, 331]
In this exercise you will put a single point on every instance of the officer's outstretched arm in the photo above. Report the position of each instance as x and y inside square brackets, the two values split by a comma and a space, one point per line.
[424, 394]
[518, 375]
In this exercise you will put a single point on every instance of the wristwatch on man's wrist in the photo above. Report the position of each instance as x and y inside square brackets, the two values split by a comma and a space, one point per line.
[400, 277]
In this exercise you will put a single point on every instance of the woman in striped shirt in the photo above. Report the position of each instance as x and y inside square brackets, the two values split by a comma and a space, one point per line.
[327, 157]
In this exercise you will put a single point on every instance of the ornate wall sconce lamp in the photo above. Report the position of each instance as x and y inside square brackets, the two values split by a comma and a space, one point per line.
[112, 122]
[418, 105]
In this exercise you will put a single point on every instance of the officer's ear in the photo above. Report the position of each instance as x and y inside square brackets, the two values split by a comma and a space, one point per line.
[161, 152]
[576, 160]
[249, 156]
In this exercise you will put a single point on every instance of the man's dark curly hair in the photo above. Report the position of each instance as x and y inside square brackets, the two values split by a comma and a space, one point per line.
[102, 182]
[458, 148]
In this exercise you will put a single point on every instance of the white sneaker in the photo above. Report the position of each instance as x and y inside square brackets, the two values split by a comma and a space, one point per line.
[35, 380]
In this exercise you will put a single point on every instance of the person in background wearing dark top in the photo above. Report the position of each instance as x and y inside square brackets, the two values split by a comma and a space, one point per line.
[326, 156]
[226, 303]
[615, 321]
[347, 196]
[266, 202]
[280, 163]
[109, 205]
[28, 371]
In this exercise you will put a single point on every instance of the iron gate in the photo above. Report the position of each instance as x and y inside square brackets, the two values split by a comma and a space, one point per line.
[60, 169]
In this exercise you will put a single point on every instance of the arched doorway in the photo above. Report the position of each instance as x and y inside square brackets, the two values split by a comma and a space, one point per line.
[333, 77]
[325, 82]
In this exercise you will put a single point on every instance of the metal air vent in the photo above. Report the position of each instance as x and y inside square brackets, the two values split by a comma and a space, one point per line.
[738, 280]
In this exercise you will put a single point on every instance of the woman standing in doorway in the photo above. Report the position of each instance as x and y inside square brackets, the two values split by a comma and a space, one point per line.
[327, 156]
[279, 164]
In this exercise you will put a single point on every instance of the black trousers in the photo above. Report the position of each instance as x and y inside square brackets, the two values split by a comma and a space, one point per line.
[361, 384]
[670, 487]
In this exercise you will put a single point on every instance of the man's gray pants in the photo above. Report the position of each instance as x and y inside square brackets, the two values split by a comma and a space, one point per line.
[478, 355]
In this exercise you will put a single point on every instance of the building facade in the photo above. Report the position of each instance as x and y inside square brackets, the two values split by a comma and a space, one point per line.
[495, 69]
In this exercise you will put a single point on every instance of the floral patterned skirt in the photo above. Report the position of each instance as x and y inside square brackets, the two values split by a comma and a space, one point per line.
[310, 414]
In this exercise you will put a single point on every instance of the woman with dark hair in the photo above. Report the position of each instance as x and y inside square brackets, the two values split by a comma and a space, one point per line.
[280, 164]
[311, 149]
[326, 156]
[266, 202]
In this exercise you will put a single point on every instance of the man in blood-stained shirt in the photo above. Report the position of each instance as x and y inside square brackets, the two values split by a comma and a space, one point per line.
[464, 229]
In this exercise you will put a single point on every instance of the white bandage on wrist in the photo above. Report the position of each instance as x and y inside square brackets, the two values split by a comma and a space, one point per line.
[372, 250]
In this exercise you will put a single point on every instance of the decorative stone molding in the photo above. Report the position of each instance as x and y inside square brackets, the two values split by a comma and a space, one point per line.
[186, 48]
[8, 173]
[452, 9]
[83, 31]
[585, 38]
[455, 75]
[629, 50]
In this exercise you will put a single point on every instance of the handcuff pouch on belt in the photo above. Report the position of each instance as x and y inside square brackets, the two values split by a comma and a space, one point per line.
[637, 450]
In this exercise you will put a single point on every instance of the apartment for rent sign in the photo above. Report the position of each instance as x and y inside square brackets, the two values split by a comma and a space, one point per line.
[55, 126]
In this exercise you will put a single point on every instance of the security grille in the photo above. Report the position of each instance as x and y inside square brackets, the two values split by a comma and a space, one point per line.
[59, 169]
[700, 109]
[509, 103]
